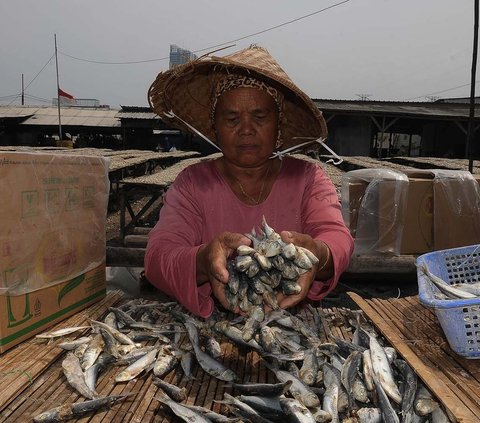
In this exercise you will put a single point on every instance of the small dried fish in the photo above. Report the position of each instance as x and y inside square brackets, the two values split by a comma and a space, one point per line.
[72, 345]
[77, 409]
[75, 377]
[137, 367]
[60, 332]
[185, 413]
[174, 392]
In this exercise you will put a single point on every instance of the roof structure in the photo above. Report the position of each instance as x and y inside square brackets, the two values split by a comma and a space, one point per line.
[70, 116]
[434, 110]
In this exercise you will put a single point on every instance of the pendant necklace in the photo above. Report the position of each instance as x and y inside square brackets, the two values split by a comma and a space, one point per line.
[249, 197]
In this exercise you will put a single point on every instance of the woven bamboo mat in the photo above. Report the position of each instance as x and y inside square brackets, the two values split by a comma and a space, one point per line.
[415, 333]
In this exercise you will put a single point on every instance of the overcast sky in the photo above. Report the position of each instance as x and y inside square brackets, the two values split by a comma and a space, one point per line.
[387, 49]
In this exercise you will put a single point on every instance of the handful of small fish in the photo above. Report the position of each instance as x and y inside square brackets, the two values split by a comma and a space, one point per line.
[257, 273]
[320, 377]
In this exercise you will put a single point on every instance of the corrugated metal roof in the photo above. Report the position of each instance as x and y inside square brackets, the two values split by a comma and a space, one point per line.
[74, 116]
[17, 111]
[430, 109]
[137, 115]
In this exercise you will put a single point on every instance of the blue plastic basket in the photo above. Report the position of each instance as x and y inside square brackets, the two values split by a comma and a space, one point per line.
[459, 319]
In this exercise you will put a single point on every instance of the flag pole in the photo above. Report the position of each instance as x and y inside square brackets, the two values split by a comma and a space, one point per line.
[58, 92]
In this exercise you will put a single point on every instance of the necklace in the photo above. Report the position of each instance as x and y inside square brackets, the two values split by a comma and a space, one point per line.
[249, 197]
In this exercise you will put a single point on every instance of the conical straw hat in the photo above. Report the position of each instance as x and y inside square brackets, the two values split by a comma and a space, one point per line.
[187, 91]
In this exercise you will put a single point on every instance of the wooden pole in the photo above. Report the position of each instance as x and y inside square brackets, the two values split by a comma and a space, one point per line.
[23, 93]
[471, 120]
[58, 93]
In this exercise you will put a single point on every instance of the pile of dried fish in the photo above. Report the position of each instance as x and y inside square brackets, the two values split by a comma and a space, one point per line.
[257, 273]
[320, 377]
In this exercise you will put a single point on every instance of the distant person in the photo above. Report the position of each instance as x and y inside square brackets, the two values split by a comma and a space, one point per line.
[248, 106]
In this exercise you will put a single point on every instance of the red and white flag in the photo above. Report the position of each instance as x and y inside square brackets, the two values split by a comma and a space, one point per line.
[65, 95]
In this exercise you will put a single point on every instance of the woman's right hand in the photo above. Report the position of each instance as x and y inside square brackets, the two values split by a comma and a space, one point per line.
[212, 262]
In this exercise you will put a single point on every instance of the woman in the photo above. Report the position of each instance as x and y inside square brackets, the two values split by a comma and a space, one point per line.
[250, 108]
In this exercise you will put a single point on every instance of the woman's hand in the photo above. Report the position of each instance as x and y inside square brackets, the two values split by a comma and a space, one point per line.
[212, 262]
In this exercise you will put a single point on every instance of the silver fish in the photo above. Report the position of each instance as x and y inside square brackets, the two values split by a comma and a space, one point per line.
[388, 412]
[60, 332]
[119, 336]
[165, 362]
[443, 286]
[301, 260]
[208, 363]
[185, 413]
[95, 347]
[211, 415]
[173, 391]
[242, 409]
[245, 250]
[349, 372]
[75, 377]
[132, 371]
[92, 373]
[410, 383]
[77, 409]
[72, 345]
[369, 415]
[296, 411]
[253, 322]
[368, 370]
[308, 371]
[262, 389]
[383, 371]
[242, 263]
[235, 335]
[268, 407]
[424, 403]
[298, 389]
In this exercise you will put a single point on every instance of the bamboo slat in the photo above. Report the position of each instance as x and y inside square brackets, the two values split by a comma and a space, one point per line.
[414, 332]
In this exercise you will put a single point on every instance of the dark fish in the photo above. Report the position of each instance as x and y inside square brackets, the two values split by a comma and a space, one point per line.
[77, 409]
[262, 389]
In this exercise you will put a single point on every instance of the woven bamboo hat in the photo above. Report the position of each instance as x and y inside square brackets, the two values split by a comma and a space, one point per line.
[187, 91]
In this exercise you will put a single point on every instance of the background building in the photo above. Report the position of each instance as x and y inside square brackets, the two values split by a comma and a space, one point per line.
[179, 56]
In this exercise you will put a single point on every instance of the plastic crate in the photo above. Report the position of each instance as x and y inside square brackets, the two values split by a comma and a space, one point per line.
[459, 319]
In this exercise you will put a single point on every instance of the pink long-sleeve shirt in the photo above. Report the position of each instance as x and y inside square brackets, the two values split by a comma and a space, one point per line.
[200, 205]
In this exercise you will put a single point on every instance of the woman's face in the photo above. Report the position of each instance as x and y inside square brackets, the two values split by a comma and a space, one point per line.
[246, 124]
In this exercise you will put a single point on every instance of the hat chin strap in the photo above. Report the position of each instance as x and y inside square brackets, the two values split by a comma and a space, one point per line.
[321, 141]
[172, 115]
[279, 154]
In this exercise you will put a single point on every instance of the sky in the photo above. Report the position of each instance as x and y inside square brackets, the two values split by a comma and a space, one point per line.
[397, 50]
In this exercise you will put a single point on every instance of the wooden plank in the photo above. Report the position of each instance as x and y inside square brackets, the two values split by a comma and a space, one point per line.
[432, 376]
[435, 354]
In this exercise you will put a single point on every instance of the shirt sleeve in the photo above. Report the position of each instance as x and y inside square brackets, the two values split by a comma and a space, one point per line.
[322, 220]
[170, 257]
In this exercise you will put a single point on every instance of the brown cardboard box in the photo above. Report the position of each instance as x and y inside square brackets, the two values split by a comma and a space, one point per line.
[52, 235]
[398, 222]
[417, 232]
[457, 211]
[25, 315]
[442, 211]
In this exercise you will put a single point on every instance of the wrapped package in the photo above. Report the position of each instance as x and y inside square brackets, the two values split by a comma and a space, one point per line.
[52, 238]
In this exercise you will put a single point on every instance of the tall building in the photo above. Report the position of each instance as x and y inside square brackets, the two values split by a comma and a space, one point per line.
[179, 56]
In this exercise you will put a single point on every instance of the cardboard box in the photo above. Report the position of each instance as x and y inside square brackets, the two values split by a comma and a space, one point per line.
[457, 211]
[441, 210]
[416, 235]
[52, 235]
[25, 315]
